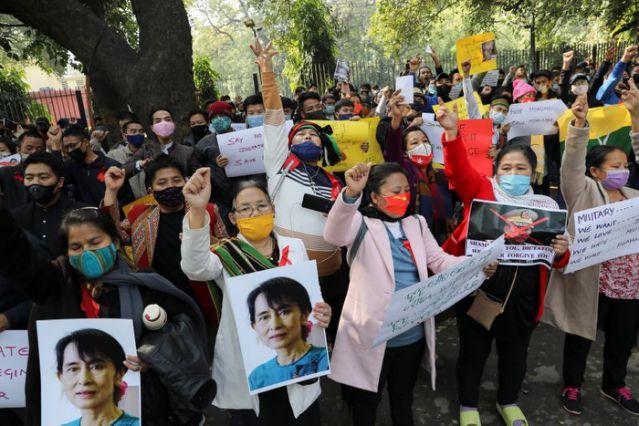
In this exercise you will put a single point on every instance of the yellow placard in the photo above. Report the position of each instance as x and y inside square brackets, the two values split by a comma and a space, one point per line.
[462, 110]
[350, 136]
[480, 50]
[147, 199]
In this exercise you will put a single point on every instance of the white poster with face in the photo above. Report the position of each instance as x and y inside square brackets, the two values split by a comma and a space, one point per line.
[280, 340]
[82, 373]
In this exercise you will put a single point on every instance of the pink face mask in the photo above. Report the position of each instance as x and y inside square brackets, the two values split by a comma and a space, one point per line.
[164, 129]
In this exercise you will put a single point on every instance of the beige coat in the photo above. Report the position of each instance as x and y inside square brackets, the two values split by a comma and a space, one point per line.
[572, 299]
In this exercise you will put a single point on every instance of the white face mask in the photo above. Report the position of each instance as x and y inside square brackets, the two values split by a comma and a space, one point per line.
[421, 149]
[580, 89]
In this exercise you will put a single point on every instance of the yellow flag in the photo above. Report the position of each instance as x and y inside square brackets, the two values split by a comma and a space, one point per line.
[609, 125]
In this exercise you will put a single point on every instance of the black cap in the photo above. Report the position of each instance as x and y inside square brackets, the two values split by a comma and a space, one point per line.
[579, 76]
[442, 75]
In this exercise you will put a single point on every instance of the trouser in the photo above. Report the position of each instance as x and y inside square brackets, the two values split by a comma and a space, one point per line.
[619, 319]
[475, 344]
[275, 410]
[399, 370]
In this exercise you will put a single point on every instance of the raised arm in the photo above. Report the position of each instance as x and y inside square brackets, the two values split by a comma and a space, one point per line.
[605, 65]
[393, 144]
[606, 91]
[471, 102]
[461, 175]
[573, 164]
[630, 100]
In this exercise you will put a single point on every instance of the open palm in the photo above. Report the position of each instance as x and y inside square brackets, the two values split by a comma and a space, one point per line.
[264, 55]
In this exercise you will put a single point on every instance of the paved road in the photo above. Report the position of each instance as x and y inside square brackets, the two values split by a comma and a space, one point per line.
[539, 398]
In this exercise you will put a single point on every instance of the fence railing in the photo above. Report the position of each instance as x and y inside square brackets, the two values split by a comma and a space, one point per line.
[52, 104]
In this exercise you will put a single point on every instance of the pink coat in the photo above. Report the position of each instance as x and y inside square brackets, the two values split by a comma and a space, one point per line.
[354, 361]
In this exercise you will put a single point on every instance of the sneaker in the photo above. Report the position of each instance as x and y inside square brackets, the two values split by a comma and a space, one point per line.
[571, 400]
[623, 397]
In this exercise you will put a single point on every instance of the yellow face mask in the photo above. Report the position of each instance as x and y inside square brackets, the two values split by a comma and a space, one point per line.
[256, 228]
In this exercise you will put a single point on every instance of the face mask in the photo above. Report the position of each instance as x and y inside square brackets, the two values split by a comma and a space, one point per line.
[443, 91]
[315, 115]
[135, 140]
[421, 155]
[580, 89]
[498, 117]
[329, 109]
[94, 263]
[164, 129]
[199, 131]
[396, 205]
[287, 117]
[169, 197]
[41, 194]
[256, 228]
[255, 120]
[616, 179]
[432, 90]
[344, 117]
[307, 151]
[526, 99]
[542, 88]
[515, 185]
[4, 154]
[78, 155]
[220, 124]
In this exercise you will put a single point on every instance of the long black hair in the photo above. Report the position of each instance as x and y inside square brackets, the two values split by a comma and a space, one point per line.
[93, 344]
[598, 155]
[87, 216]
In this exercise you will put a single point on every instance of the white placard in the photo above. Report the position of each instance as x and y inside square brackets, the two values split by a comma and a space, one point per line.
[490, 79]
[534, 118]
[271, 335]
[239, 126]
[429, 50]
[342, 70]
[61, 393]
[405, 84]
[604, 233]
[434, 132]
[14, 350]
[412, 305]
[12, 160]
[245, 150]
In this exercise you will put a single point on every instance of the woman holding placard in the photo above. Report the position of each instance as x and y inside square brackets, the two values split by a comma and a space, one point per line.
[389, 249]
[256, 248]
[592, 178]
[93, 280]
[517, 291]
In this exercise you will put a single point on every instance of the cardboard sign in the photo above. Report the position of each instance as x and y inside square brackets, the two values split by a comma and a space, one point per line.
[478, 138]
[462, 109]
[342, 70]
[245, 150]
[534, 118]
[14, 350]
[434, 133]
[260, 344]
[405, 84]
[604, 233]
[480, 50]
[528, 231]
[413, 305]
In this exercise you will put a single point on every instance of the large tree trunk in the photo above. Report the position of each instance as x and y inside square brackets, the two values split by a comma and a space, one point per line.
[158, 75]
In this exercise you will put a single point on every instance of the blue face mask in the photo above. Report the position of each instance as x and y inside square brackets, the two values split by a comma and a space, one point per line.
[432, 90]
[307, 151]
[94, 263]
[135, 140]
[329, 109]
[255, 120]
[344, 117]
[220, 124]
[498, 117]
[514, 185]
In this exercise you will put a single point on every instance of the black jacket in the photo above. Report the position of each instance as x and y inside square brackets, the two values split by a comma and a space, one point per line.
[56, 289]
[12, 190]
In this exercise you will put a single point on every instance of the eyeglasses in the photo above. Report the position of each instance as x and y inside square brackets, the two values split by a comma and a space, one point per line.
[247, 211]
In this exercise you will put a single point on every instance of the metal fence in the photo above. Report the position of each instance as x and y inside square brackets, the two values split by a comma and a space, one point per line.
[52, 104]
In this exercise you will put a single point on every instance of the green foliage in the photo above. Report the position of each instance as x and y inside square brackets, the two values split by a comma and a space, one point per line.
[205, 78]
[16, 103]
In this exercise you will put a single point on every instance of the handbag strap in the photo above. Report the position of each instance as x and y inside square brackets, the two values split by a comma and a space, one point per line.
[510, 290]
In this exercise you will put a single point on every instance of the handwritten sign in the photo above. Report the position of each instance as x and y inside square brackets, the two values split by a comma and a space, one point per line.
[12, 160]
[245, 150]
[604, 233]
[412, 305]
[480, 50]
[490, 79]
[405, 84]
[350, 137]
[528, 231]
[534, 118]
[434, 133]
[14, 350]
[462, 109]
[478, 138]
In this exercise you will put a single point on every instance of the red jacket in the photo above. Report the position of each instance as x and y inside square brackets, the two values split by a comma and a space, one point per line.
[470, 185]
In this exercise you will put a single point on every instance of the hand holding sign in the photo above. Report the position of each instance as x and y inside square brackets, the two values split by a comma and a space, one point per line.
[405, 85]
[447, 119]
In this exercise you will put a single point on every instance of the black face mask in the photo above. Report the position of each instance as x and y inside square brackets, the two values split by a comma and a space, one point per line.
[443, 91]
[77, 155]
[170, 197]
[42, 194]
[315, 115]
[199, 131]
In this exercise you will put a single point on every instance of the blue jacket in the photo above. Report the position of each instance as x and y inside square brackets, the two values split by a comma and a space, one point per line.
[606, 92]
